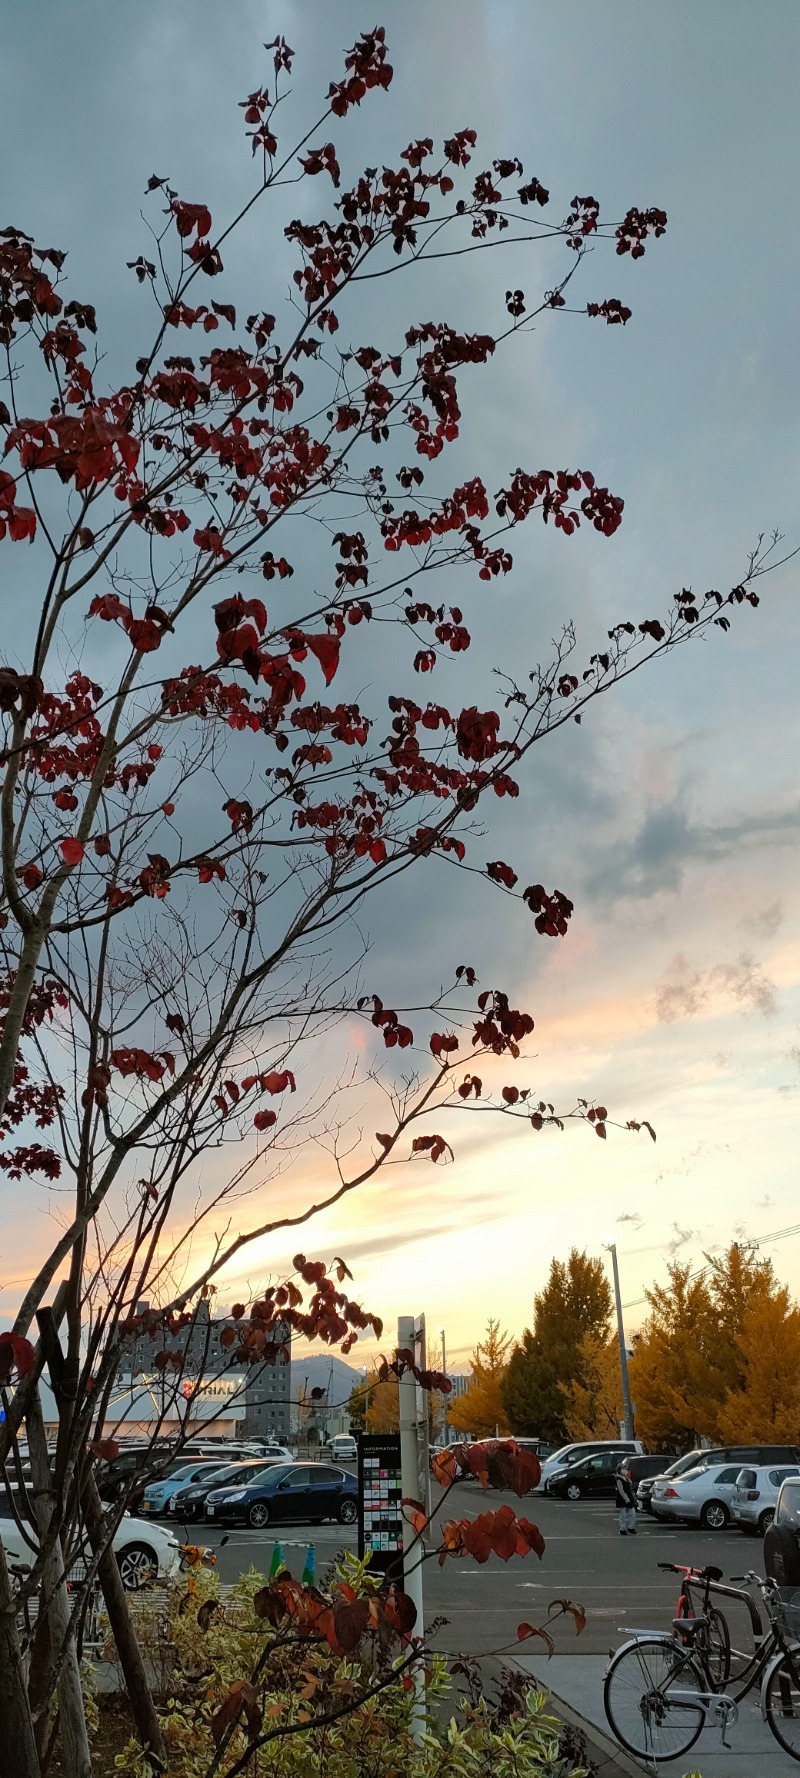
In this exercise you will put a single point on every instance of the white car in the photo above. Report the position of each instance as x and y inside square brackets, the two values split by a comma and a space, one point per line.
[755, 1496]
[702, 1496]
[145, 1552]
[569, 1454]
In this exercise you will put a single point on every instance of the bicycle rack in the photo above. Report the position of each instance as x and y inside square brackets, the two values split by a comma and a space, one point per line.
[723, 1591]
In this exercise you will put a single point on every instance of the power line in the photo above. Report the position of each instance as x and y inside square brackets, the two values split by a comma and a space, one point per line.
[755, 1241]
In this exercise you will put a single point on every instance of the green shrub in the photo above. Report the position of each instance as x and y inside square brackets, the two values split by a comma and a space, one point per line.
[200, 1644]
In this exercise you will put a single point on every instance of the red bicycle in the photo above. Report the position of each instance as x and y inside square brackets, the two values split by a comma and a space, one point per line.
[718, 1643]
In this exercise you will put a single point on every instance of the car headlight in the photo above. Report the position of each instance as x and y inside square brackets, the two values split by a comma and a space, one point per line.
[234, 1494]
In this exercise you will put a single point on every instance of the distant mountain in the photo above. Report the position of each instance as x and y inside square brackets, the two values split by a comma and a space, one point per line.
[321, 1371]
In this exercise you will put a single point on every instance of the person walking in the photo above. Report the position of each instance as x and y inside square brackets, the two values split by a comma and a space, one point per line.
[626, 1503]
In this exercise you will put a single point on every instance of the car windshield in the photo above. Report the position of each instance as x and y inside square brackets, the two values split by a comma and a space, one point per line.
[220, 1475]
[693, 1460]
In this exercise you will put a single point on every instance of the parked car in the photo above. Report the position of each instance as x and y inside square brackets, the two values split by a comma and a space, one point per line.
[268, 1447]
[591, 1477]
[342, 1448]
[143, 1461]
[569, 1454]
[189, 1502]
[699, 1459]
[145, 1552]
[782, 1539]
[310, 1492]
[643, 1472]
[539, 1447]
[157, 1495]
[755, 1496]
[701, 1496]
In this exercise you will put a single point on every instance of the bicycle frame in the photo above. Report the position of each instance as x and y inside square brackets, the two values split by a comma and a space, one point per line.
[771, 1654]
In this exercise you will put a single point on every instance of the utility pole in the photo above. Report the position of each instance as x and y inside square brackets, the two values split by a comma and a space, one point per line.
[623, 1354]
[444, 1397]
[410, 1482]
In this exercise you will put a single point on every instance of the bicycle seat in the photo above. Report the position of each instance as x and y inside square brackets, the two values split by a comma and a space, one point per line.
[711, 1573]
[688, 1627]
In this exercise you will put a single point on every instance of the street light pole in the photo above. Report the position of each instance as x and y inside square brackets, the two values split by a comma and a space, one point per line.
[444, 1374]
[623, 1354]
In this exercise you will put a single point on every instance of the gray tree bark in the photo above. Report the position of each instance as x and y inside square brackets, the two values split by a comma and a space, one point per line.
[55, 1602]
[143, 1710]
[20, 1759]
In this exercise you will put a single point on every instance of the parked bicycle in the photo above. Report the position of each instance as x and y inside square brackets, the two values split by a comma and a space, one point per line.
[717, 1635]
[661, 1689]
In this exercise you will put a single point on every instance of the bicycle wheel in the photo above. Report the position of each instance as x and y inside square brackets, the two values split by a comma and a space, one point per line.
[717, 1640]
[782, 1703]
[718, 1649]
[652, 1699]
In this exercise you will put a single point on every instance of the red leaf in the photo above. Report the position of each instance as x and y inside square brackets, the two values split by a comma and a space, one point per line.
[326, 650]
[526, 1630]
[277, 1082]
[350, 1620]
[71, 851]
[15, 1353]
[105, 1448]
[264, 1120]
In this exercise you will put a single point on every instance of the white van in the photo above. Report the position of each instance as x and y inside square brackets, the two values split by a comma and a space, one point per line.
[569, 1454]
[342, 1448]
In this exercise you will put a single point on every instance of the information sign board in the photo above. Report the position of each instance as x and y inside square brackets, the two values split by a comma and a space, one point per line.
[380, 1517]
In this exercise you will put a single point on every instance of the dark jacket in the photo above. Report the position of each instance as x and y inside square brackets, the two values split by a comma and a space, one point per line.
[625, 1493]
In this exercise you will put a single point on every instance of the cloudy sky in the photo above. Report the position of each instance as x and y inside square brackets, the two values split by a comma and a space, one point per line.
[672, 816]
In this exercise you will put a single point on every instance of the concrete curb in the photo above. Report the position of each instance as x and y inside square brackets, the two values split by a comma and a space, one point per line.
[610, 1759]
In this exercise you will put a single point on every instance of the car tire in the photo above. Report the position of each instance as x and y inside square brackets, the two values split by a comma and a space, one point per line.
[765, 1521]
[715, 1516]
[138, 1566]
[347, 1511]
[258, 1515]
[573, 1491]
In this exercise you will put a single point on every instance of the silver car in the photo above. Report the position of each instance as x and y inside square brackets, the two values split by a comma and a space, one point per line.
[755, 1496]
[701, 1496]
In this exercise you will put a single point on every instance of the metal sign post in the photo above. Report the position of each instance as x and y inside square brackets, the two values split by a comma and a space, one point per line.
[408, 1333]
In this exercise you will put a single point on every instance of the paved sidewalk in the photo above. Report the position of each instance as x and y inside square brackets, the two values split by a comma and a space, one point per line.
[577, 1681]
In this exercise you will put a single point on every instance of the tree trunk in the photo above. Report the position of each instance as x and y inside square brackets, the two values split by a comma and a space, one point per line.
[148, 1727]
[55, 1602]
[20, 1759]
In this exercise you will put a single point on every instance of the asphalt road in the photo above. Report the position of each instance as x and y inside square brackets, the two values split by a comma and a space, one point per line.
[615, 1579]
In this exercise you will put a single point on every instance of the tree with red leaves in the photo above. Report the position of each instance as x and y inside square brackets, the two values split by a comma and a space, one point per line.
[192, 817]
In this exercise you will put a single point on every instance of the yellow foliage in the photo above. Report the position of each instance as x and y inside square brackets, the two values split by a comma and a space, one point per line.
[480, 1409]
[767, 1407]
[593, 1399]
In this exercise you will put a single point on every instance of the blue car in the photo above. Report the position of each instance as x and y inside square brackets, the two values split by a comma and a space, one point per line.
[157, 1495]
[309, 1492]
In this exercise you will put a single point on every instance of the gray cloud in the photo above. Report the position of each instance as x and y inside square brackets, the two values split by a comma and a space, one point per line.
[766, 920]
[685, 989]
[656, 857]
[680, 1238]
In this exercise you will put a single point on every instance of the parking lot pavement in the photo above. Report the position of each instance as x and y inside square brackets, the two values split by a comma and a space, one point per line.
[616, 1579]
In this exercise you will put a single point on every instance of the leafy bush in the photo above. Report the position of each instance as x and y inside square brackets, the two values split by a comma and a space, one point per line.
[228, 1681]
